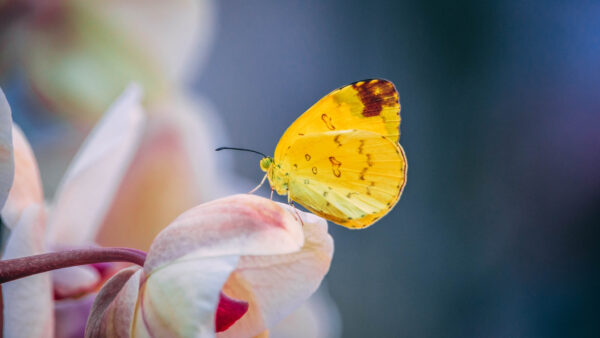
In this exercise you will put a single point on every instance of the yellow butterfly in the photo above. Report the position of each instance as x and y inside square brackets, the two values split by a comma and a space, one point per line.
[341, 158]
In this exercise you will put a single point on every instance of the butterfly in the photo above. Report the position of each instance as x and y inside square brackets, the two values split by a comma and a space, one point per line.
[341, 159]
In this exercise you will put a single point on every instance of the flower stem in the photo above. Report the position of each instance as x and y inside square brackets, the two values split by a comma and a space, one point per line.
[12, 269]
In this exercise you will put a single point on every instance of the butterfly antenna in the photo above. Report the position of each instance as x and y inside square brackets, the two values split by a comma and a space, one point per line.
[242, 149]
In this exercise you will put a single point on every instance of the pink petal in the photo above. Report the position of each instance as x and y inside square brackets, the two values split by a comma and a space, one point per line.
[71, 315]
[28, 309]
[229, 311]
[172, 172]
[235, 225]
[93, 177]
[27, 185]
[180, 298]
[74, 281]
[6, 149]
[275, 286]
[114, 309]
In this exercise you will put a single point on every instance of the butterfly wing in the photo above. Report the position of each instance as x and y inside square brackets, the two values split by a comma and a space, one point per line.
[370, 105]
[351, 177]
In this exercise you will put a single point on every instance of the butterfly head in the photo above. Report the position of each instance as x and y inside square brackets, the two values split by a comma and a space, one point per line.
[266, 163]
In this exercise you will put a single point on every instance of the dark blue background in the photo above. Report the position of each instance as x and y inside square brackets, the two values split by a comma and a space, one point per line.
[496, 233]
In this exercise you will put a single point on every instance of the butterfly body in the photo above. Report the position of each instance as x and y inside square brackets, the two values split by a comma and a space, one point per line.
[341, 158]
[278, 176]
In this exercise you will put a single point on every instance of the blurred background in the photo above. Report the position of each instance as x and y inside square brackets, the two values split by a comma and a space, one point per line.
[495, 234]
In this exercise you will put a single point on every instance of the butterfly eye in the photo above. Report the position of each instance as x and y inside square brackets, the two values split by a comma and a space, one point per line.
[265, 163]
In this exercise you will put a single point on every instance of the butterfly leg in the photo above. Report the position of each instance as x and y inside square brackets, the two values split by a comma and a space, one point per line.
[259, 185]
[272, 194]
[290, 202]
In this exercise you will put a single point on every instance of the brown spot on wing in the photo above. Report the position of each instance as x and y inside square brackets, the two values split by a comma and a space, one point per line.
[335, 166]
[362, 174]
[336, 139]
[376, 94]
[327, 120]
[369, 160]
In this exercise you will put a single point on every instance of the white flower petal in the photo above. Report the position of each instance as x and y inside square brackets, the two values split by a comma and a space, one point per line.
[27, 184]
[274, 286]
[74, 281]
[181, 298]
[28, 303]
[234, 225]
[173, 170]
[94, 176]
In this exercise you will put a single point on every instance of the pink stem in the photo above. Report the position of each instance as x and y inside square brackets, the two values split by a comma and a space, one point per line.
[12, 269]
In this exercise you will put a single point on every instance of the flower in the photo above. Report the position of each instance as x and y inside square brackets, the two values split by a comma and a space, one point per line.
[249, 248]
[78, 55]
[127, 157]
[118, 149]
[90, 182]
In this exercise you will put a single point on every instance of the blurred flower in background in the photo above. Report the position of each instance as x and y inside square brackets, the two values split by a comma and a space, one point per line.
[78, 55]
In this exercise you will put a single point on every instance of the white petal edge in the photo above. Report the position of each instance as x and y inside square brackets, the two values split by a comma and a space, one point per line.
[235, 225]
[28, 302]
[27, 183]
[92, 179]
